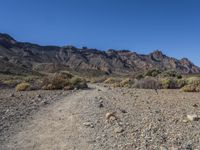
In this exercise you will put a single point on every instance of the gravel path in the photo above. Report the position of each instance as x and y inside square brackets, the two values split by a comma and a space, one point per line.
[102, 118]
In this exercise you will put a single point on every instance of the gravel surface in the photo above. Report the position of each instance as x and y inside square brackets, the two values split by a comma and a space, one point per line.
[18, 107]
[102, 118]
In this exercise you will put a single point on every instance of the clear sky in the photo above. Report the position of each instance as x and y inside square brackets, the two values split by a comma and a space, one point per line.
[172, 26]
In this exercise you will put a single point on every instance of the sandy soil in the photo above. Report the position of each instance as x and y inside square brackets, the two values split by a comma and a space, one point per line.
[143, 120]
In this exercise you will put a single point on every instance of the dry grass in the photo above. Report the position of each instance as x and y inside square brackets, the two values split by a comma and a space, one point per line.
[147, 83]
[110, 81]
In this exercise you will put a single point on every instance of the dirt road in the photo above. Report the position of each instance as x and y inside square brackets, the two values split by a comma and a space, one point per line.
[144, 120]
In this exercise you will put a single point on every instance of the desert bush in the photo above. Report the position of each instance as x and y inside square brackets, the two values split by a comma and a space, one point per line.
[30, 78]
[147, 83]
[62, 80]
[115, 85]
[11, 82]
[66, 74]
[78, 83]
[168, 74]
[193, 80]
[97, 79]
[54, 82]
[140, 76]
[153, 73]
[22, 86]
[190, 88]
[111, 80]
[128, 82]
[172, 83]
[193, 85]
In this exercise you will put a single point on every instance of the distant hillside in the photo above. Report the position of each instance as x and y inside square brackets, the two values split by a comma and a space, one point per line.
[20, 57]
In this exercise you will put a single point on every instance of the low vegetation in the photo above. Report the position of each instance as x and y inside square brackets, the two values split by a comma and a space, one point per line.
[22, 86]
[193, 85]
[63, 80]
[156, 79]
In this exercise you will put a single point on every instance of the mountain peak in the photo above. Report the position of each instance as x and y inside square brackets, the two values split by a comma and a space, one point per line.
[6, 39]
[157, 55]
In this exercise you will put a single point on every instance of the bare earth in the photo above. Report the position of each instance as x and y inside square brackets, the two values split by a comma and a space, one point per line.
[144, 121]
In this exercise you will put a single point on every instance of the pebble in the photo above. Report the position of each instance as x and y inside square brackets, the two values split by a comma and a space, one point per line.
[88, 124]
[101, 104]
[109, 114]
[123, 111]
[11, 95]
[195, 105]
[118, 130]
[163, 148]
[192, 117]
[185, 121]
[38, 96]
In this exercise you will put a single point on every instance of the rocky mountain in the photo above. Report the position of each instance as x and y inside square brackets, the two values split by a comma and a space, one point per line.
[22, 57]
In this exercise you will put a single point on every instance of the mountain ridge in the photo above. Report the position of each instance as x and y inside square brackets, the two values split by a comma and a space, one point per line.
[34, 57]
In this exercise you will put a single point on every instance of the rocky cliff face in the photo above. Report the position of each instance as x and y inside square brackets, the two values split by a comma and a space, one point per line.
[27, 57]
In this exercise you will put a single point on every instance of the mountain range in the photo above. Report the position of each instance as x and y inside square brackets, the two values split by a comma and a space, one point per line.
[23, 57]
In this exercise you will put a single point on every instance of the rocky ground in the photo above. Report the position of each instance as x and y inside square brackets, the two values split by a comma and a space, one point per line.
[102, 118]
[18, 107]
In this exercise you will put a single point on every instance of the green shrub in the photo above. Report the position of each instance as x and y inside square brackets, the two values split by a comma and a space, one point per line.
[153, 73]
[193, 80]
[30, 78]
[78, 83]
[22, 86]
[173, 83]
[140, 76]
[168, 74]
[11, 82]
[66, 74]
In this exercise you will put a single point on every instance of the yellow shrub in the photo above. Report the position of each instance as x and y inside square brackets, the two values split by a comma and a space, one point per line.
[189, 88]
[111, 81]
[193, 80]
[22, 86]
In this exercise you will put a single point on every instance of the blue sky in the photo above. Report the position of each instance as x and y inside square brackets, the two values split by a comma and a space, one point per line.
[172, 26]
